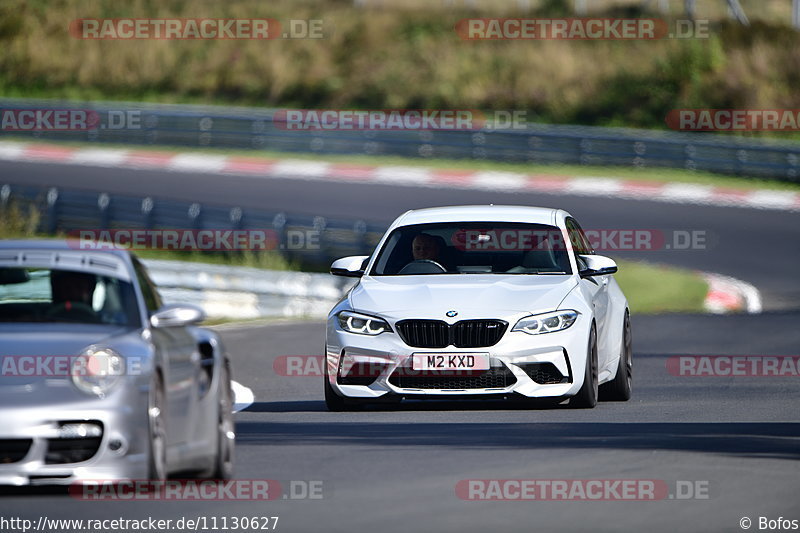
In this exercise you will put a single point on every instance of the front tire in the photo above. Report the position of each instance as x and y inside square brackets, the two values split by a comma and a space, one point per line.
[587, 395]
[619, 389]
[333, 401]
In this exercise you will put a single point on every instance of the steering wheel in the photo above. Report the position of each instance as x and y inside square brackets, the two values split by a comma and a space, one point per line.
[73, 312]
[423, 266]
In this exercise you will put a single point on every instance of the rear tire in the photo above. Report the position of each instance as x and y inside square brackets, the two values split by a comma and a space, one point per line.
[619, 389]
[224, 457]
[156, 431]
[587, 395]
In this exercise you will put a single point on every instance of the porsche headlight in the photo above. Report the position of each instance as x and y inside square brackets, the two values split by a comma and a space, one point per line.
[546, 322]
[97, 370]
[353, 322]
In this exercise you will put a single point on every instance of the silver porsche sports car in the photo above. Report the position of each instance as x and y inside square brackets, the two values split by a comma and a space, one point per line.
[99, 380]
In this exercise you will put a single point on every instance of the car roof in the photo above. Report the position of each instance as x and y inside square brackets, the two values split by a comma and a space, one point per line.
[66, 254]
[481, 213]
[57, 245]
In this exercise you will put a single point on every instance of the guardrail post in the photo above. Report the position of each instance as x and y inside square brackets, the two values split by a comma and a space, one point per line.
[235, 216]
[319, 226]
[51, 212]
[585, 147]
[279, 225]
[689, 151]
[147, 212]
[360, 233]
[640, 149]
[205, 126]
[5, 195]
[194, 215]
[741, 160]
[103, 203]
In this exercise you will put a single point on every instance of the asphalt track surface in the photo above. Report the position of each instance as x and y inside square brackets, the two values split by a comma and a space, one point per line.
[397, 469]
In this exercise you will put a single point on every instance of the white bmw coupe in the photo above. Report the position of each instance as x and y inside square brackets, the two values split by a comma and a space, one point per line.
[479, 302]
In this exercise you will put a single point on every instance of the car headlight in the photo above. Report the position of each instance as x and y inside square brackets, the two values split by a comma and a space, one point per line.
[353, 322]
[97, 370]
[546, 322]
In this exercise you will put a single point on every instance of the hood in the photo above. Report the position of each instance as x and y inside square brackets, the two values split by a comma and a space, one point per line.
[472, 296]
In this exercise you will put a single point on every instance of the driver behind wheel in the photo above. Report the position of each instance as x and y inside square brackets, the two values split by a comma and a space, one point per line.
[72, 291]
[425, 246]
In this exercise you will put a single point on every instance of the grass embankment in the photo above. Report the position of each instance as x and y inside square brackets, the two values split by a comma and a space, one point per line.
[653, 289]
[407, 55]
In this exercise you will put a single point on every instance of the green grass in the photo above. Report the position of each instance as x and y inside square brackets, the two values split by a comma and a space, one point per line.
[407, 55]
[655, 289]
[657, 175]
[18, 222]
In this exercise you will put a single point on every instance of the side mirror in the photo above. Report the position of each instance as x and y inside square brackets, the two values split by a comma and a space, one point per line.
[351, 267]
[597, 265]
[177, 315]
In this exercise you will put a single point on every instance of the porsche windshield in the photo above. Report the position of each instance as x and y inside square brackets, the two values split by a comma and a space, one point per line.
[473, 248]
[43, 295]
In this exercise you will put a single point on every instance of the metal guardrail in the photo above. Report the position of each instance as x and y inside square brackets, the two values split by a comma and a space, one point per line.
[62, 211]
[240, 292]
[248, 128]
[222, 291]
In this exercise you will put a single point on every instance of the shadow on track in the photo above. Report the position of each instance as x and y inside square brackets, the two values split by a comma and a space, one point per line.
[29, 492]
[312, 406]
[765, 440]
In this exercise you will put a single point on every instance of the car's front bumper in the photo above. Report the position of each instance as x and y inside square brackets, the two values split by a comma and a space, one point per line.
[518, 360]
[34, 449]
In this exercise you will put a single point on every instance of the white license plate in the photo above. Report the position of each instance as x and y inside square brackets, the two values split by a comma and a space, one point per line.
[450, 361]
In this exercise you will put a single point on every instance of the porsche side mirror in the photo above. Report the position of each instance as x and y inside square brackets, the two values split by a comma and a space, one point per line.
[177, 315]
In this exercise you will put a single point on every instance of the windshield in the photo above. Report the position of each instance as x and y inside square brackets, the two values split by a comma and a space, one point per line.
[44, 295]
[473, 248]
